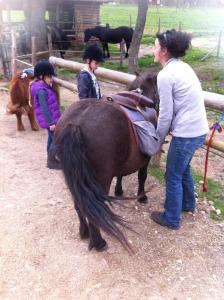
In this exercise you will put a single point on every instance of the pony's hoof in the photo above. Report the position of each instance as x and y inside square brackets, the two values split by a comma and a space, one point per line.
[21, 128]
[84, 233]
[143, 199]
[36, 128]
[100, 247]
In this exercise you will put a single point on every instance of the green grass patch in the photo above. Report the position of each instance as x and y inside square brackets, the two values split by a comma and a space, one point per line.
[157, 172]
[65, 72]
[148, 39]
[215, 189]
[215, 193]
[195, 20]
[194, 55]
[146, 61]
[115, 66]
[211, 74]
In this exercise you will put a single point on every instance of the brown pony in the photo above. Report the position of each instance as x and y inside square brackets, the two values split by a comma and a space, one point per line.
[95, 142]
[19, 100]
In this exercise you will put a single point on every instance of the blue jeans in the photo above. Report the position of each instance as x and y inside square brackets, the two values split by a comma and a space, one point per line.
[179, 182]
[50, 140]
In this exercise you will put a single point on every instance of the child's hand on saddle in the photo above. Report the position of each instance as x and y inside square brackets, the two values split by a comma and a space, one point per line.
[52, 127]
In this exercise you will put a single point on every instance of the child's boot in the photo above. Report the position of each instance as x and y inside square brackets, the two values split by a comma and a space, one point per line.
[52, 162]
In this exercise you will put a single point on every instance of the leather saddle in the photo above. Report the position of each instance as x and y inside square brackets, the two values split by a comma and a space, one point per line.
[133, 104]
[129, 99]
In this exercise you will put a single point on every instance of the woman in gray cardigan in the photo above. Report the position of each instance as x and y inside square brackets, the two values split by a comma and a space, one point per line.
[182, 112]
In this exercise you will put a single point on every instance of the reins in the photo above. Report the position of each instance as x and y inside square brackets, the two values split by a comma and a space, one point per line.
[215, 126]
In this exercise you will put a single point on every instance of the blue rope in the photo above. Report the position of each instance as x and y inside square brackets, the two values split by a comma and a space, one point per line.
[221, 118]
[217, 125]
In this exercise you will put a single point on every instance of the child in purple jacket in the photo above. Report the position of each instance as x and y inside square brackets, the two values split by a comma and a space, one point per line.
[46, 106]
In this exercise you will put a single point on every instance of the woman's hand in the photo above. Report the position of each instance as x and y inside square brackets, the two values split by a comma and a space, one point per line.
[52, 127]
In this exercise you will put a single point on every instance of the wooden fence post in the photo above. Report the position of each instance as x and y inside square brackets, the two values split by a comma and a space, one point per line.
[57, 14]
[159, 25]
[1, 39]
[50, 46]
[34, 55]
[180, 26]
[121, 51]
[13, 52]
[219, 44]
[9, 17]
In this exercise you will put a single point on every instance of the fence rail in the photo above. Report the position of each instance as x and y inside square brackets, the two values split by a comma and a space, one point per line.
[212, 100]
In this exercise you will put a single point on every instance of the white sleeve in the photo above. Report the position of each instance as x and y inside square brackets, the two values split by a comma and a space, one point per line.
[165, 90]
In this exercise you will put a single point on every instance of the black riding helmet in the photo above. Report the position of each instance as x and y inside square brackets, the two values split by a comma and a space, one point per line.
[43, 68]
[93, 52]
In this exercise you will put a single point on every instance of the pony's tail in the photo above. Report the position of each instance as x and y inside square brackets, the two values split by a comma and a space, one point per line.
[87, 193]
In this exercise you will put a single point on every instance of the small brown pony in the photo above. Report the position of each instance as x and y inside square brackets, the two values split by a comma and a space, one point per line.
[19, 100]
[95, 142]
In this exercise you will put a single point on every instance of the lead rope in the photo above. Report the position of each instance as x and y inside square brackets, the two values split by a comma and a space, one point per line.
[215, 126]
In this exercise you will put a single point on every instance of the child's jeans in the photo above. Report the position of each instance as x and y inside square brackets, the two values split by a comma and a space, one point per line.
[179, 182]
[50, 140]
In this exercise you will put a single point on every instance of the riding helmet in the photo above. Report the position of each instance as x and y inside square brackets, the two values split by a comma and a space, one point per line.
[93, 52]
[44, 68]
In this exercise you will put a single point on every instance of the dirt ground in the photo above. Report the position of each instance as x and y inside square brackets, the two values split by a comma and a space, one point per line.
[42, 257]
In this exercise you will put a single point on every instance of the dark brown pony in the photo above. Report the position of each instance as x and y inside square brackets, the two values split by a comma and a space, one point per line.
[95, 142]
[19, 100]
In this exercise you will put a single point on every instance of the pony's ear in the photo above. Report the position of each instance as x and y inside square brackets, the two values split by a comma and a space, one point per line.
[137, 73]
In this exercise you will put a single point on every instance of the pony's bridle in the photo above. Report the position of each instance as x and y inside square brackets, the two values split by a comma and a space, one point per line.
[155, 92]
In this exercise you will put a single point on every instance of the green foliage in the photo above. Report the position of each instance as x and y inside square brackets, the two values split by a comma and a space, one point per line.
[148, 40]
[146, 61]
[157, 172]
[215, 189]
[194, 55]
[215, 193]
[115, 66]
[65, 74]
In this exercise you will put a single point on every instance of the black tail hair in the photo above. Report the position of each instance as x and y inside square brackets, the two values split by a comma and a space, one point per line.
[87, 193]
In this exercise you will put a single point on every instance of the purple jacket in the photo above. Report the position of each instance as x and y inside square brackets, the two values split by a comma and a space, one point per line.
[51, 101]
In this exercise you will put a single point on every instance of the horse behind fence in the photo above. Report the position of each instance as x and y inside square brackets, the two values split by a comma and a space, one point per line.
[110, 35]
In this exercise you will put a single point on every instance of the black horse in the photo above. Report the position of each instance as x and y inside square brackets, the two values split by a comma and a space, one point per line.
[110, 35]
[58, 37]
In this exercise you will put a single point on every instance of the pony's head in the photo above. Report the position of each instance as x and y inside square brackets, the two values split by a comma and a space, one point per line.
[147, 83]
[87, 35]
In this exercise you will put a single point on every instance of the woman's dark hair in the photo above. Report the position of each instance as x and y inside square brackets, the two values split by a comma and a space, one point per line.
[176, 42]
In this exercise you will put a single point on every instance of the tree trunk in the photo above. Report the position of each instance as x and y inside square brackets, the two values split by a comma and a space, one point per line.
[136, 40]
